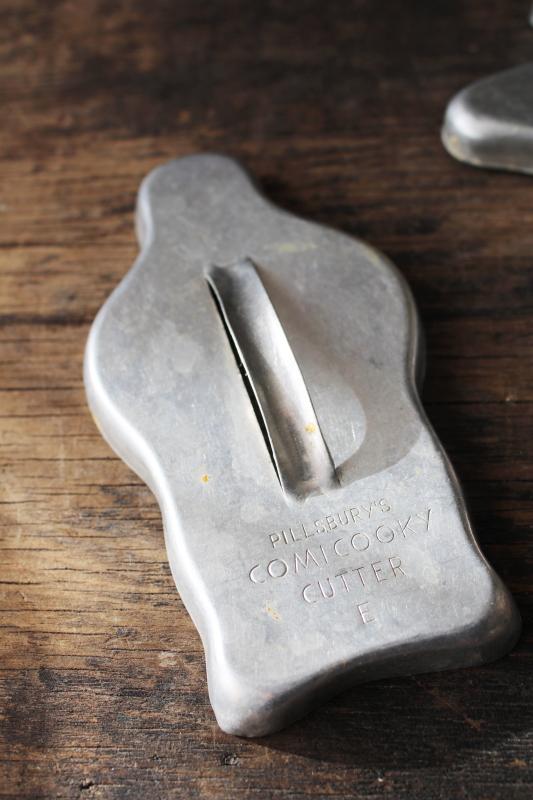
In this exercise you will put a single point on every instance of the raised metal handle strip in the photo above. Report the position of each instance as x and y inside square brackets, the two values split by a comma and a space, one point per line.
[287, 417]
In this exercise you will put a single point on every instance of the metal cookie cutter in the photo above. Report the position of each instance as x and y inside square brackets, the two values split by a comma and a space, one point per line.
[490, 123]
[259, 372]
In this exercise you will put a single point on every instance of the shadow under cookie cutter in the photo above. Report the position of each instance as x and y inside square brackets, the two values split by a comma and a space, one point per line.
[260, 373]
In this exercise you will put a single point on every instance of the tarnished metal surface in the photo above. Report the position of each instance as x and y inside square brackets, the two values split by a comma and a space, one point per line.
[490, 123]
[259, 372]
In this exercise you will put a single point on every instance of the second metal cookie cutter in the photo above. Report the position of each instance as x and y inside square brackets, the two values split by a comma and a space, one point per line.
[490, 122]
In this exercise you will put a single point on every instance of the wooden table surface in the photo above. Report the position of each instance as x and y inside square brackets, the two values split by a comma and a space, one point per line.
[336, 108]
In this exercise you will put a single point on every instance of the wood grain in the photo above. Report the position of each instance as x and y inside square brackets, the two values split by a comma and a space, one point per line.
[336, 109]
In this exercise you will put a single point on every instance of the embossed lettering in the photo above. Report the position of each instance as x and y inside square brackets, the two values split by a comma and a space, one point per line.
[252, 576]
[405, 526]
[396, 565]
[384, 534]
[354, 512]
[341, 575]
[305, 594]
[331, 589]
[284, 568]
[306, 532]
[298, 560]
[375, 573]
[365, 613]
[293, 536]
[344, 518]
[359, 571]
[425, 519]
[378, 571]
[336, 549]
[365, 541]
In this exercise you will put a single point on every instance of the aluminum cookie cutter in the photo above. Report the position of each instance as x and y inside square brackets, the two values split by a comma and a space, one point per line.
[259, 373]
[490, 123]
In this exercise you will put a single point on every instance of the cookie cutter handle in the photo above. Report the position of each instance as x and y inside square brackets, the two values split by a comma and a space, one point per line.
[273, 378]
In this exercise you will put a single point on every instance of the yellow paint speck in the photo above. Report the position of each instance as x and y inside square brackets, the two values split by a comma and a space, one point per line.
[273, 613]
[311, 427]
[205, 478]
